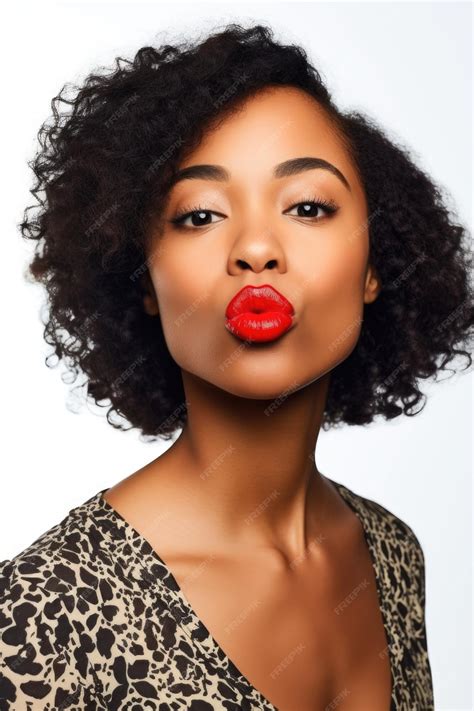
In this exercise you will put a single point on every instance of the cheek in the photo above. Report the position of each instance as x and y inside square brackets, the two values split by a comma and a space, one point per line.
[184, 294]
[334, 298]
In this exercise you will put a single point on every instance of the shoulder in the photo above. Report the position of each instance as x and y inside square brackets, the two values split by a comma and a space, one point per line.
[402, 565]
[401, 560]
[394, 539]
[42, 652]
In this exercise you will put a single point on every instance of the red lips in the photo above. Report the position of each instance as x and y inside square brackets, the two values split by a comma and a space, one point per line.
[259, 313]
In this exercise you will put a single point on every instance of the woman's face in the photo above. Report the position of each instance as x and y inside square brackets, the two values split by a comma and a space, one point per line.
[256, 228]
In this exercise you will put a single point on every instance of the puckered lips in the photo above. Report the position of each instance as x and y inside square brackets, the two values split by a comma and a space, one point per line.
[259, 313]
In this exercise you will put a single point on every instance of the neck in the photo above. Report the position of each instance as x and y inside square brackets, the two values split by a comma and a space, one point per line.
[251, 465]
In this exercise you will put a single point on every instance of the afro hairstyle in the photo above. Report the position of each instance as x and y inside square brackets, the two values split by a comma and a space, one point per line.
[102, 171]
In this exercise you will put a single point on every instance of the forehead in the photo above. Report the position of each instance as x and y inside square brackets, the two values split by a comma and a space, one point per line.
[275, 125]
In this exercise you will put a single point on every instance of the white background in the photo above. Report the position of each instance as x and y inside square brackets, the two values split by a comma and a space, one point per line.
[406, 64]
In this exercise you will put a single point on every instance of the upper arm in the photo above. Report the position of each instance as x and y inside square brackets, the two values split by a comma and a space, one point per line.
[418, 578]
[38, 668]
[420, 674]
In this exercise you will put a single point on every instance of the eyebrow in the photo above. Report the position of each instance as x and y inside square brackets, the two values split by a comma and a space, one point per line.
[293, 166]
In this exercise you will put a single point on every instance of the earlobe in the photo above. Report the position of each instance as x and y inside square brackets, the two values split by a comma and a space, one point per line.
[150, 303]
[373, 285]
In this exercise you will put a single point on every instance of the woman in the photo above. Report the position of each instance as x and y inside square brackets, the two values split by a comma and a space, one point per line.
[234, 257]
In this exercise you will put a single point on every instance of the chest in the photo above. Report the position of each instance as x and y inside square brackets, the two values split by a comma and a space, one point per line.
[306, 638]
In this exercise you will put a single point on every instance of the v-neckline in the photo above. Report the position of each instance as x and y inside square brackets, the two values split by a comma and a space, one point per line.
[202, 636]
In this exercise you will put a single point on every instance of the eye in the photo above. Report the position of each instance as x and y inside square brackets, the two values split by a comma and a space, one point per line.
[313, 203]
[198, 213]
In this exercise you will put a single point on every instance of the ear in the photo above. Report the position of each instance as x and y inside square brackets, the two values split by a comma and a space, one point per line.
[373, 285]
[150, 302]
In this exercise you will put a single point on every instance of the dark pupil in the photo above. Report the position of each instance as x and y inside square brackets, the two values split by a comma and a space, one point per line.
[307, 207]
[199, 215]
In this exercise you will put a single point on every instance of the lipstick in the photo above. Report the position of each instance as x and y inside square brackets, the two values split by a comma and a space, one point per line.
[259, 313]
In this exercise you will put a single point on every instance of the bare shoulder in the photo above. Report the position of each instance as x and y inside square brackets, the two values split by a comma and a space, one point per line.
[155, 501]
[140, 492]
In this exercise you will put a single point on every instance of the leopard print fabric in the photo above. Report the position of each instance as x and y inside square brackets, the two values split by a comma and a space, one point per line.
[92, 618]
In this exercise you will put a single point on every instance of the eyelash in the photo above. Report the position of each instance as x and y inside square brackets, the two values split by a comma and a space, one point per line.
[328, 205]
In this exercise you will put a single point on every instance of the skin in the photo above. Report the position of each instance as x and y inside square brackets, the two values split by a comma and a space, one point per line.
[239, 489]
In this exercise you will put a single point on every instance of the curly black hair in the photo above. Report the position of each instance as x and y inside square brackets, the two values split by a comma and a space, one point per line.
[102, 173]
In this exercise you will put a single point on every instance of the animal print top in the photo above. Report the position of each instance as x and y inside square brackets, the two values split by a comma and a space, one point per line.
[92, 618]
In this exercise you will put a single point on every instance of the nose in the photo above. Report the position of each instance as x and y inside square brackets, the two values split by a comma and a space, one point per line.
[257, 252]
